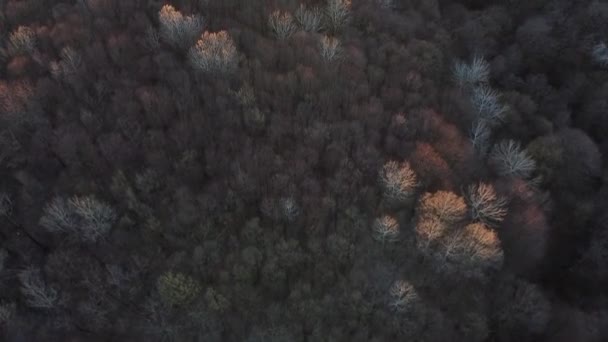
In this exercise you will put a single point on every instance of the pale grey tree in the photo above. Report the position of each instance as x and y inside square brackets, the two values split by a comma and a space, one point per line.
[385, 229]
[485, 204]
[81, 217]
[309, 19]
[282, 24]
[337, 14]
[467, 75]
[58, 216]
[35, 290]
[403, 296]
[599, 53]
[95, 217]
[480, 137]
[511, 160]
[69, 64]
[289, 209]
[487, 105]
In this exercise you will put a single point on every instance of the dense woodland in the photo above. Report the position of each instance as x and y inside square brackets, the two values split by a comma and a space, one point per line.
[284, 170]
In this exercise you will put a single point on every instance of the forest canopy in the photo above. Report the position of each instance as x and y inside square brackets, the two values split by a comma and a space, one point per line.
[303, 170]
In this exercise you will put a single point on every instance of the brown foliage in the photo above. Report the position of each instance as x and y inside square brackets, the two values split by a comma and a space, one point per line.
[432, 170]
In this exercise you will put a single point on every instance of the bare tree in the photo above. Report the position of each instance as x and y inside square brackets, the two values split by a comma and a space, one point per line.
[485, 205]
[21, 41]
[289, 209]
[309, 19]
[487, 105]
[84, 217]
[445, 206]
[282, 24]
[37, 293]
[480, 137]
[428, 231]
[398, 181]
[337, 14]
[58, 216]
[214, 53]
[178, 30]
[474, 248]
[96, 217]
[385, 229]
[330, 49]
[403, 296]
[511, 160]
[69, 65]
[468, 75]
[599, 53]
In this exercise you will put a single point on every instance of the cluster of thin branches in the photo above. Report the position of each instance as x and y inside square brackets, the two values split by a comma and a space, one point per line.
[473, 78]
[399, 181]
[428, 231]
[403, 296]
[445, 206]
[474, 247]
[309, 19]
[22, 40]
[468, 75]
[85, 217]
[282, 24]
[215, 52]
[35, 290]
[599, 53]
[69, 65]
[485, 204]
[385, 229]
[480, 136]
[289, 209]
[337, 14]
[177, 29]
[487, 105]
[437, 214]
[330, 49]
[511, 160]
[333, 18]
